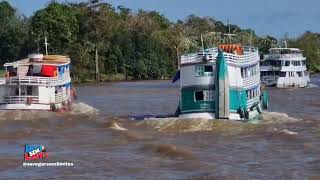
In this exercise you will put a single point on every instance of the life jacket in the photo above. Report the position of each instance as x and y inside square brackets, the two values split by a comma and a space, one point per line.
[232, 48]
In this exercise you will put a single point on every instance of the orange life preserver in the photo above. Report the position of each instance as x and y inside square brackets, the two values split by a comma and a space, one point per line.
[232, 48]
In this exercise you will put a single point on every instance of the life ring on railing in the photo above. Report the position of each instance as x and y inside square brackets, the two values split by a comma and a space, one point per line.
[29, 100]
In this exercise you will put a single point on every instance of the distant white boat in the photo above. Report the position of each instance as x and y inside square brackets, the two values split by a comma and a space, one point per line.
[284, 67]
[37, 83]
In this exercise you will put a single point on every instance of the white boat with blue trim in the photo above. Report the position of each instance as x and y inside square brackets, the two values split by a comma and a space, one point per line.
[37, 83]
[284, 67]
[221, 83]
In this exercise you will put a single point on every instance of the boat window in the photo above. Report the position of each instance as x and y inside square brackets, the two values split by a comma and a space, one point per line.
[203, 70]
[208, 68]
[291, 74]
[287, 63]
[209, 95]
[299, 74]
[282, 74]
[276, 73]
[29, 90]
[199, 96]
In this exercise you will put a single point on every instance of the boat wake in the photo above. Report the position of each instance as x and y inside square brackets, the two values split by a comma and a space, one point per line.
[77, 109]
[312, 86]
[276, 117]
[25, 115]
[83, 109]
[220, 126]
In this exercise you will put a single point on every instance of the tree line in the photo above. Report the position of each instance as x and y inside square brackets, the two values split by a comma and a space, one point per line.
[130, 44]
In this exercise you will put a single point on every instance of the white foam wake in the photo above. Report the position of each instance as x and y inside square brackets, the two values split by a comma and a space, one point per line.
[83, 108]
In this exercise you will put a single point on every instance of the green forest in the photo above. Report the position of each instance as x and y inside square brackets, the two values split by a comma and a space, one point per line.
[129, 44]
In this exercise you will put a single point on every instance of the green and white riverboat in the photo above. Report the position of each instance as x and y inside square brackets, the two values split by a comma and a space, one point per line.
[221, 83]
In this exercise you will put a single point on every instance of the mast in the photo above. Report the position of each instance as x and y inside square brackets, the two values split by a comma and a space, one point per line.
[250, 37]
[46, 44]
[202, 45]
[229, 32]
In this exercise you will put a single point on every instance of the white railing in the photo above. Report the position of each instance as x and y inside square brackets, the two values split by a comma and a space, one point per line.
[251, 81]
[34, 80]
[284, 57]
[251, 56]
[61, 97]
[2, 80]
[19, 99]
[251, 101]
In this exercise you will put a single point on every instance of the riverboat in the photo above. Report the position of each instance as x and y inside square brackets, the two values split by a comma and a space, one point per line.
[221, 83]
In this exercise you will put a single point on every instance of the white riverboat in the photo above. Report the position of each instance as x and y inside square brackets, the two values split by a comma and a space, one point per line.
[37, 83]
[221, 83]
[284, 67]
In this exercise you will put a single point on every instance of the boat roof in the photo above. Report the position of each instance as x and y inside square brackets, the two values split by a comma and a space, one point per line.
[56, 60]
[293, 49]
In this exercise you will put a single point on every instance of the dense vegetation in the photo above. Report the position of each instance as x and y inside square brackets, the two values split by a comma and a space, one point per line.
[130, 45]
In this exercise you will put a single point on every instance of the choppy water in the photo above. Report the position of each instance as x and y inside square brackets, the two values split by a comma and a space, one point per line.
[285, 145]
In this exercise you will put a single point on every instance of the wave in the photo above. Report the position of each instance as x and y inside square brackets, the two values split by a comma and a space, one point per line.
[25, 115]
[276, 117]
[227, 127]
[168, 150]
[83, 109]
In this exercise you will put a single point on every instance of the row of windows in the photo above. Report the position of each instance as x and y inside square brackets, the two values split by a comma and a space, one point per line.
[204, 70]
[284, 74]
[252, 93]
[282, 63]
[205, 95]
[249, 71]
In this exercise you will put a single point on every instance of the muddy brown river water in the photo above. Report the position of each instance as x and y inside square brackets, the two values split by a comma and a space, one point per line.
[284, 145]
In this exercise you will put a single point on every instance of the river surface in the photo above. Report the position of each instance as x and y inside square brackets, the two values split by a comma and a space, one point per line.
[284, 145]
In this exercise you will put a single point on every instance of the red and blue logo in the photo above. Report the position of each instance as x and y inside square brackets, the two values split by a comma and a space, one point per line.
[35, 152]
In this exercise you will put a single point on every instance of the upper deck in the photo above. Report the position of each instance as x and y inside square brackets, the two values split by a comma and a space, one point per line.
[249, 57]
[51, 70]
[284, 54]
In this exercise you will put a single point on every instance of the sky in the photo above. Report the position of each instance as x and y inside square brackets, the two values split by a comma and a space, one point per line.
[266, 17]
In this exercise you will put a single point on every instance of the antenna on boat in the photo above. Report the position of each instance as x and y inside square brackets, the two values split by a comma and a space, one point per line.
[46, 44]
[202, 45]
[285, 44]
[285, 40]
[229, 33]
[250, 37]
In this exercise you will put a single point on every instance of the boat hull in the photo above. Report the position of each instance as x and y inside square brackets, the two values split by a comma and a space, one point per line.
[58, 107]
[253, 115]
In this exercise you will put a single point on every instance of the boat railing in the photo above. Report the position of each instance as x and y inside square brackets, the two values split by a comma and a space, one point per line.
[34, 80]
[62, 97]
[283, 56]
[251, 101]
[251, 81]
[2, 80]
[20, 99]
[238, 60]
